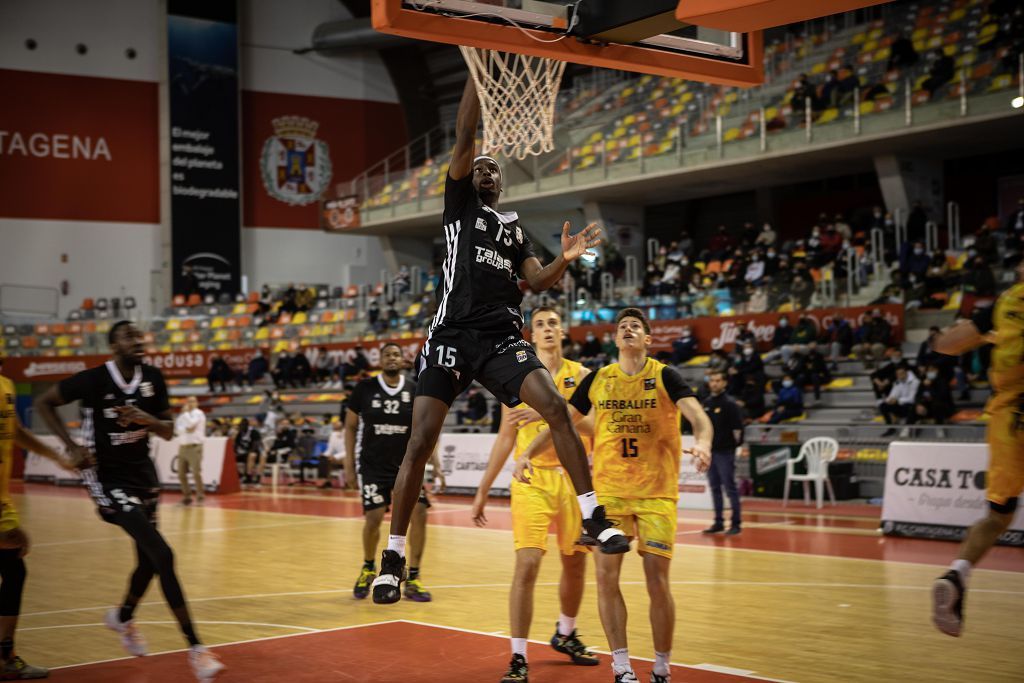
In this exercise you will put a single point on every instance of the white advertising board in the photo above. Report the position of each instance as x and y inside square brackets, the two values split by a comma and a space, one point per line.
[937, 490]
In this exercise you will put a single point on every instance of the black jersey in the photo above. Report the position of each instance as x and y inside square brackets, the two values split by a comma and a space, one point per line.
[385, 418]
[480, 276]
[122, 453]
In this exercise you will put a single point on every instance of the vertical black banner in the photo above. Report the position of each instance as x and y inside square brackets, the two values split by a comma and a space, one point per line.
[202, 47]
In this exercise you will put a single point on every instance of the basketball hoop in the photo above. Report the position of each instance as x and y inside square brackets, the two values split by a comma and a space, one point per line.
[517, 100]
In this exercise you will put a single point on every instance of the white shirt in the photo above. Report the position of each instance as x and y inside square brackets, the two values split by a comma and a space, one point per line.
[191, 426]
[904, 392]
[336, 445]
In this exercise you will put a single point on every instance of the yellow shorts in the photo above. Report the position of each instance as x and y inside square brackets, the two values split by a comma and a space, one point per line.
[652, 521]
[549, 497]
[9, 518]
[1006, 455]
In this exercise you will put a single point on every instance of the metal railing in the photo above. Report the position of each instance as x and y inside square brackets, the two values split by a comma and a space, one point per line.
[878, 253]
[953, 225]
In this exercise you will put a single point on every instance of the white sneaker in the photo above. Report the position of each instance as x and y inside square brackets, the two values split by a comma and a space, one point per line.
[626, 676]
[205, 664]
[131, 640]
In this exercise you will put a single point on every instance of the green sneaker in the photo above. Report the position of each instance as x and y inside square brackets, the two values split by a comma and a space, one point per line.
[16, 669]
[415, 591]
[362, 587]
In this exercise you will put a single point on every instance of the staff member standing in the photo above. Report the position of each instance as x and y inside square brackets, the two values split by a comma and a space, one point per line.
[727, 418]
[191, 428]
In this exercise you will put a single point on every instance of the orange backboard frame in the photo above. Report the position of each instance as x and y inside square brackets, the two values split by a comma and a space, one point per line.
[389, 16]
[757, 15]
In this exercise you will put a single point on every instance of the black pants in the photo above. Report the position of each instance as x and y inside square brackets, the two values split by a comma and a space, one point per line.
[897, 410]
[722, 473]
[12, 582]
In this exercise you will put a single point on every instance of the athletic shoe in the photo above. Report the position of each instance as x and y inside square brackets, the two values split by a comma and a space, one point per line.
[415, 591]
[17, 669]
[948, 594]
[387, 586]
[733, 531]
[517, 672]
[205, 664]
[603, 531]
[131, 640]
[571, 645]
[626, 676]
[362, 587]
[714, 529]
[655, 678]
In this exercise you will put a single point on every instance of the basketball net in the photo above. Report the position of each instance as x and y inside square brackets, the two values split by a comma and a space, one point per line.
[517, 100]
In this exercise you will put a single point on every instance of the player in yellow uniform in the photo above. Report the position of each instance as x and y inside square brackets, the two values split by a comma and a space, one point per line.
[548, 498]
[632, 408]
[1005, 330]
[14, 542]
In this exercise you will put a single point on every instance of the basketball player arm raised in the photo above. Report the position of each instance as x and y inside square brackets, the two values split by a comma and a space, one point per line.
[541, 277]
[466, 122]
[503, 445]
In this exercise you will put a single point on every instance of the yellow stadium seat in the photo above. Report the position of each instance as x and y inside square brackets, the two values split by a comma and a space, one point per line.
[818, 68]
[173, 324]
[687, 96]
[869, 46]
[882, 54]
[1001, 82]
[239, 309]
[217, 323]
[220, 335]
[62, 342]
[263, 333]
[732, 97]
[300, 318]
[731, 134]
[829, 115]
[859, 38]
[178, 338]
[634, 140]
[867, 107]
[629, 120]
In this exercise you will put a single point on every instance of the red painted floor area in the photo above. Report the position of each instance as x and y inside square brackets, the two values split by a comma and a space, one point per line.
[376, 653]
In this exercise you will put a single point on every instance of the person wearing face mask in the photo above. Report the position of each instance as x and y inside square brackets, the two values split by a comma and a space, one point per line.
[748, 364]
[755, 269]
[591, 347]
[899, 404]
[781, 347]
[873, 338]
[767, 237]
[771, 262]
[789, 400]
[915, 263]
[885, 375]
[934, 399]
[684, 347]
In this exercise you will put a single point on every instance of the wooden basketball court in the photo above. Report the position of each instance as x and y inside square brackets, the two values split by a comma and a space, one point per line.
[799, 596]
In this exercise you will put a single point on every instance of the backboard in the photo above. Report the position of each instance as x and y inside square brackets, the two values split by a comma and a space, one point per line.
[641, 36]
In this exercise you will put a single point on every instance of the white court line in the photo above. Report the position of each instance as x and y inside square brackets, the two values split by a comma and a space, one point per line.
[236, 642]
[544, 642]
[542, 584]
[174, 623]
[746, 525]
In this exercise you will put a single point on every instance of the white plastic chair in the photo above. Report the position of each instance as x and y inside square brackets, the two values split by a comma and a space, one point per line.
[817, 453]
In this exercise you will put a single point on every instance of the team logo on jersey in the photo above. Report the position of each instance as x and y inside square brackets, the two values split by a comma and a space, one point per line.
[569, 382]
[375, 403]
[481, 223]
[406, 397]
[650, 384]
[146, 389]
[519, 234]
[295, 166]
[520, 356]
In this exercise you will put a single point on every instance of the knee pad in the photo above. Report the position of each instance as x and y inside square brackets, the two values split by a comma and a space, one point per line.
[1007, 508]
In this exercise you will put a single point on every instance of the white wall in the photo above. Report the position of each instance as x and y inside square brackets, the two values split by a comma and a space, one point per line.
[104, 259]
[282, 255]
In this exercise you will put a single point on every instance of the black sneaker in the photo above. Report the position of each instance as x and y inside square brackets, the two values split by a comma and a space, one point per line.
[387, 587]
[733, 531]
[714, 529]
[516, 670]
[655, 678]
[602, 532]
[948, 603]
[571, 645]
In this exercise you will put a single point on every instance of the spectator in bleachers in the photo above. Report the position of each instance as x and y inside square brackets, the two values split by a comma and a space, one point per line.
[282, 372]
[914, 265]
[401, 282]
[590, 351]
[747, 364]
[767, 237]
[789, 400]
[934, 399]
[248, 448]
[883, 377]
[684, 347]
[748, 235]
[719, 361]
[334, 457]
[830, 90]
[771, 262]
[751, 398]
[609, 350]
[323, 369]
[758, 300]
[301, 371]
[831, 245]
[979, 279]
[1015, 221]
[899, 404]
[849, 81]
[803, 90]
[373, 312]
[685, 242]
[801, 287]
[804, 333]
[288, 304]
[476, 408]
[838, 339]
[874, 338]
[721, 244]
[901, 53]
[940, 73]
[220, 373]
[283, 447]
[743, 337]
[780, 342]
[356, 365]
[842, 227]
[257, 369]
[754, 274]
[815, 370]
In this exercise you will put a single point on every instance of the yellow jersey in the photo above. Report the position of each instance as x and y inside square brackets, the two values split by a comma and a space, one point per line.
[8, 425]
[566, 380]
[637, 441]
[1006, 372]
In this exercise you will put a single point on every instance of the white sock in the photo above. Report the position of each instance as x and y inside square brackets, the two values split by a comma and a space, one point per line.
[661, 660]
[519, 646]
[566, 625]
[963, 568]
[397, 543]
[588, 501]
[620, 660]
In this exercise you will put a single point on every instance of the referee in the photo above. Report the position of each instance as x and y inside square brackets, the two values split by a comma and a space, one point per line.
[727, 418]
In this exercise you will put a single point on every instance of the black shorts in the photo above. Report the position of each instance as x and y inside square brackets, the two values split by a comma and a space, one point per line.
[113, 500]
[500, 361]
[376, 493]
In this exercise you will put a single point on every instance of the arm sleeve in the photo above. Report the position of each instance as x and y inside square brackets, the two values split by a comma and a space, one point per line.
[675, 385]
[581, 397]
[76, 387]
[457, 195]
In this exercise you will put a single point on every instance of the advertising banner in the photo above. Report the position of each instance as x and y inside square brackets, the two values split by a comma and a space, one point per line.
[341, 214]
[720, 332]
[937, 490]
[202, 44]
[78, 148]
